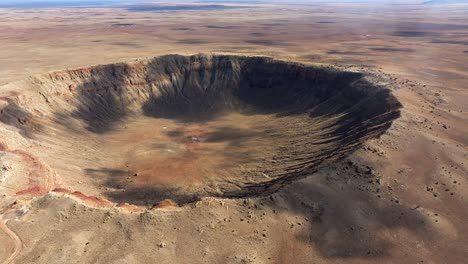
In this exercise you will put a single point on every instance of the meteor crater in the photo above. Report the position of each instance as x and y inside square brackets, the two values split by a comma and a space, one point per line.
[178, 127]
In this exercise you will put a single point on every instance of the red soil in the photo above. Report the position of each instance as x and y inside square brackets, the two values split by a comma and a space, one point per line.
[165, 204]
[8, 96]
[3, 147]
[34, 190]
[96, 201]
[37, 175]
[184, 167]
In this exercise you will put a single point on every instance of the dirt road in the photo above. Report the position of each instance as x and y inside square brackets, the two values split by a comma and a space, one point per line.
[15, 238]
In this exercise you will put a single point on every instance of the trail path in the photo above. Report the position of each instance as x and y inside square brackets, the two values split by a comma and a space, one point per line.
[16, 239]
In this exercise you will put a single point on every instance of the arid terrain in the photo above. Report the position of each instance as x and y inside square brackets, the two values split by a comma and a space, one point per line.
[234, 133]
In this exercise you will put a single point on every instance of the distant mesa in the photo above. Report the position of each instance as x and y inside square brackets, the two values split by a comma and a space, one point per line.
[123, 24]
[413, 34]
[392, 49]
[168, 8]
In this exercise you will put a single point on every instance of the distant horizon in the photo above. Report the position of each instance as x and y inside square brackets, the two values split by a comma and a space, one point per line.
[58, 3]
[71, 3]
[131, 5]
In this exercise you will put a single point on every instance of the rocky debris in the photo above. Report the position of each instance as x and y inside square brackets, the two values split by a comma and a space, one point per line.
[162, 245]
[369, 170]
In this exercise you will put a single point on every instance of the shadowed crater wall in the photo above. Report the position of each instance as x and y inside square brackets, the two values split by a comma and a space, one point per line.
[179, 127]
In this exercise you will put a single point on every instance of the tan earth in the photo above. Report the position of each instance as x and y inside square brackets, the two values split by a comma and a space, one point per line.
[348, 144]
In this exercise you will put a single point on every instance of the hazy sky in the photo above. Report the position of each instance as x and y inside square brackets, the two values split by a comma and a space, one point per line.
[33, 2]
[62, 1]
[25, 2]
[168, 1]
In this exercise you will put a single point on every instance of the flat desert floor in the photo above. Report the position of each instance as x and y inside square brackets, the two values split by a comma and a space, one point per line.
[402, 198]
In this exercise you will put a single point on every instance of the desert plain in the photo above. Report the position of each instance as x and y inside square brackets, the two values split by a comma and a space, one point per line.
[396, 193]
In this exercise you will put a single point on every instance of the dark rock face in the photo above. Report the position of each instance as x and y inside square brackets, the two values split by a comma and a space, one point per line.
[301, 118]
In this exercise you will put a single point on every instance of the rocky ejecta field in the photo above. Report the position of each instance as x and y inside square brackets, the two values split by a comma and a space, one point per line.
[328, 155]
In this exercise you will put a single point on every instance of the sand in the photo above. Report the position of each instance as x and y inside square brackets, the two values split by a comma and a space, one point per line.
[399, 198]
